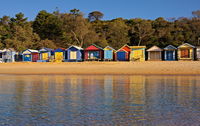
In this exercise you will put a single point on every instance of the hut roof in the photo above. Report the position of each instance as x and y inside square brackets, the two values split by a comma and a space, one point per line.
[93, 47]
[45, 49]
[59, 50]
[170, 47]
[122, 50]
[154, 48]
[126, 47]
[108, 47]
[8, 50]
[77, 47]
[186, 45]
[28, 51]
[137, 47]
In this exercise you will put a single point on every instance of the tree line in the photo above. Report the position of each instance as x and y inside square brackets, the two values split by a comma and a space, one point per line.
[57, 29]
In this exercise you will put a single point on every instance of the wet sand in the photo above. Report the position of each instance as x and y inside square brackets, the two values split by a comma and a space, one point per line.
[147, 67]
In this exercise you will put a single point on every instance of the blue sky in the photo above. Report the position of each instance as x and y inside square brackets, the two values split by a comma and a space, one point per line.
[147, 9]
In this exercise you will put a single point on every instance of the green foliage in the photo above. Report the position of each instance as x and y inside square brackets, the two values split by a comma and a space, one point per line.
[57, 29]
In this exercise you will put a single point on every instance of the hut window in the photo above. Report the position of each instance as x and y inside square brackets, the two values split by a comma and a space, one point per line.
[185, 53]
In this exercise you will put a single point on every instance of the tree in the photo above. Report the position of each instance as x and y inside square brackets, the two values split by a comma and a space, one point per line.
[95, 16]
[46, 43]
[141, 29]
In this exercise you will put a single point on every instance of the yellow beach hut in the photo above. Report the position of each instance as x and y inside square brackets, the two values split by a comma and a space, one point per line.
[137, 53]
[59, 55]
[186, 51]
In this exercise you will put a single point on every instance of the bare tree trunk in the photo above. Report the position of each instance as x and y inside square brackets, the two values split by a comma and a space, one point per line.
[75, 36]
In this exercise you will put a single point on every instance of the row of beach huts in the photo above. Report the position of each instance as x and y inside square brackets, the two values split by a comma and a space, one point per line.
[185, 51]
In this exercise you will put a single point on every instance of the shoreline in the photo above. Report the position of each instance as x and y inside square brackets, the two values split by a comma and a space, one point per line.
[102, 68]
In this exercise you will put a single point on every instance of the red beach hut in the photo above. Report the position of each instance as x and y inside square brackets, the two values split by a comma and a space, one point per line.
[123, 53]
[93, 52]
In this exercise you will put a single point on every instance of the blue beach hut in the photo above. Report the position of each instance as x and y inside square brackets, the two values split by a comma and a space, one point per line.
[109, 53]
[170, 53]
[74, 53]
[59, 55]
[30, 55]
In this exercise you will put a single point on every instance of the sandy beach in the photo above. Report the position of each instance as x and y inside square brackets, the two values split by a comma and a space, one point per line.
[148, 67]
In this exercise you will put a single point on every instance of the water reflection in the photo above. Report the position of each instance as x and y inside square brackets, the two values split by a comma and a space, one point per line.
[99, 100]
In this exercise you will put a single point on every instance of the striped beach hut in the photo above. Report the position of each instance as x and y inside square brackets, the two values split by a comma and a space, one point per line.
[109, 53]
[198, 52]
[123, 53]
[186, 51]
[74, 53]
[30, 55]
[170, 53]
[93, 52]
[59, 55]
[137, 53]
[45, 54]
[154, 53]
[8, 55]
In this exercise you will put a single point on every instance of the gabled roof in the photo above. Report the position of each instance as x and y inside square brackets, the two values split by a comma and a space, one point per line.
[77, 47]
[154, 48]
[120, 50]
[125, 46]
[170, 47]
[9, 49]
[186, 44]
[45, 49]
[93, 45]
[28, 51]
[109, 48]
[59, 50]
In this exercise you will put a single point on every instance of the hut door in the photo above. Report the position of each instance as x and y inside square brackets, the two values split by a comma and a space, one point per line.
[169, 55]
[121, 56]
[108, 54]
[44, 56]
[59, 56]
[27, 57]
[138, 54]
[73, 55]
[35, 57]
[185, 53]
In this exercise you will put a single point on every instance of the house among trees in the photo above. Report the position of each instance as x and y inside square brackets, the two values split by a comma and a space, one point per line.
[170, 53]
[123, 53]
[45, 54]
[186, 51]
[74, 53]
[109, 53]
[155, 53]
[59, 55]
[30, 55]
[137, 53]
[93, 52]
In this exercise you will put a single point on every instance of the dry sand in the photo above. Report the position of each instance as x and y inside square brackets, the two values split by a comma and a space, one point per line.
[147, 67]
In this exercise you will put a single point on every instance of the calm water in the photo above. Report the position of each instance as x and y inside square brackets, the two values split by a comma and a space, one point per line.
[100, 100]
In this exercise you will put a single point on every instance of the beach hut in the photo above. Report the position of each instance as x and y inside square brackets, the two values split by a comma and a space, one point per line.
[109, 53]
[123, 53]
[198, 52]
[18, 57]
[59, 55]
[137, 53]
[186, 51]
[1, 59]
[170, 53]
[45, 54]
[8, 55]
[74, 53]
[93, 52]
[30, 55]
[155, 53]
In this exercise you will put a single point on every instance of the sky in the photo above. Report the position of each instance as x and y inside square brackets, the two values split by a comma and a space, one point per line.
[146, 9]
